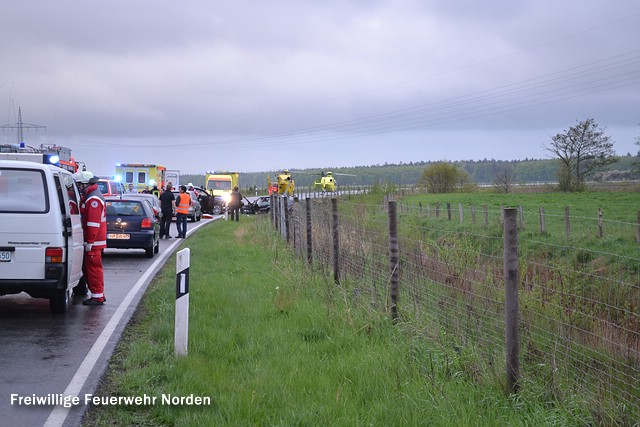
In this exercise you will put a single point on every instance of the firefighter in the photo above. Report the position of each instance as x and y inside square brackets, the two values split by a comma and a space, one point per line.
[94, 226]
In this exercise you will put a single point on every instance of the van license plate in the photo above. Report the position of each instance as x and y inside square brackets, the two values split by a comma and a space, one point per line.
[5, 256]
[118, 236]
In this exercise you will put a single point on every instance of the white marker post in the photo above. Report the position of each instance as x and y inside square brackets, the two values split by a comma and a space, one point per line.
[182, 302]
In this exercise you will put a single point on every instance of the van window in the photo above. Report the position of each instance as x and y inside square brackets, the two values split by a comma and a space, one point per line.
[142, 177]
[59, 190]
[128, 177]
[23, 191]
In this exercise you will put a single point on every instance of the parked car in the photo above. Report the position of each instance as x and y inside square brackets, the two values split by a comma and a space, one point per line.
[132, 224]
[109, 187]
[195, 210]
[41, 240]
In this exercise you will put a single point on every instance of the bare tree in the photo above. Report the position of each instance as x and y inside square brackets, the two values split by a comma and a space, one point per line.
[582, 150]
[503, 180]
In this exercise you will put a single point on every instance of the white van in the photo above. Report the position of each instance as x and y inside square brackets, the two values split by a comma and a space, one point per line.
[41, 240]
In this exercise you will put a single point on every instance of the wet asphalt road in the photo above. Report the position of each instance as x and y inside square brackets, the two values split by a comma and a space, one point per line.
[40, 353]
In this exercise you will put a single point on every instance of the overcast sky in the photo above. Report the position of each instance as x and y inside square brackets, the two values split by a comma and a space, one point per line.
[274, 84]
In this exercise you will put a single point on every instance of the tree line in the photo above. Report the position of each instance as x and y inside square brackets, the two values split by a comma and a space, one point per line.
[582, 152]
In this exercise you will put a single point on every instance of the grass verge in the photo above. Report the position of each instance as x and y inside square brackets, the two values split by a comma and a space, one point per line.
[271, 344]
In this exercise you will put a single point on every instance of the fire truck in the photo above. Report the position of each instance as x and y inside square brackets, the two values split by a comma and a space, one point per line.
[221, 183]
[141, 175]
[46, 154]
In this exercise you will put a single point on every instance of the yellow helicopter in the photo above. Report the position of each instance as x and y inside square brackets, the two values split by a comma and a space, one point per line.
[327, 181]
[284, 185]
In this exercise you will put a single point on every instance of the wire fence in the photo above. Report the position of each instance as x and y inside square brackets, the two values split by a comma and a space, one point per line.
[577, 287]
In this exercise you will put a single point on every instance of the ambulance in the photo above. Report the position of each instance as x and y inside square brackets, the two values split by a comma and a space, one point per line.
[141, 175]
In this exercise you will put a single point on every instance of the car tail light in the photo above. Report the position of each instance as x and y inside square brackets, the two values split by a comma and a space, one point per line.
[146, 223]
[53, 255]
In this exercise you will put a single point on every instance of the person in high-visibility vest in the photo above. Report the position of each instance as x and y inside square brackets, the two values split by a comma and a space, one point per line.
[183, 201]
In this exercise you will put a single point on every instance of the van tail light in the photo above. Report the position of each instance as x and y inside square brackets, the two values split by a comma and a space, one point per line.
[146, 223]
[53, 255]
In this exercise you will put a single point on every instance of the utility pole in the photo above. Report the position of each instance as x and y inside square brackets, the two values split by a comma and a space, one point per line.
[20, 126]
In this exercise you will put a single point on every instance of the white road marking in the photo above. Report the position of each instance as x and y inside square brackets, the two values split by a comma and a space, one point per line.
[59, 414]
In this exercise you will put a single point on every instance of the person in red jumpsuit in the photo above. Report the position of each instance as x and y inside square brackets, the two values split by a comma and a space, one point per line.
[94, 226]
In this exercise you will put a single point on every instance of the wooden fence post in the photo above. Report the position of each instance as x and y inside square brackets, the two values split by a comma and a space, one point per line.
[543, 224]
[638, 229]
[567, 222]
[486, 215]
[600, 230]
[309, 235]
[272, 210]
[521, 217]
[393, 260]
[512, 275]
[473, 214]
[449, 211]
[336, 241]
[437, 210]
[297, 240]
[461, 211]
[276, 213]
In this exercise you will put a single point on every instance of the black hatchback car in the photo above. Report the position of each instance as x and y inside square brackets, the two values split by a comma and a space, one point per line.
[132, 224]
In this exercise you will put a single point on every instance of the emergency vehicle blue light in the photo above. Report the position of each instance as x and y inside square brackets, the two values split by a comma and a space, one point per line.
[53, 159]
[118, 178]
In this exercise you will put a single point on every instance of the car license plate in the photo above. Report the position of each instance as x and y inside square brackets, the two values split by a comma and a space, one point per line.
[118, 236]
[5, 256]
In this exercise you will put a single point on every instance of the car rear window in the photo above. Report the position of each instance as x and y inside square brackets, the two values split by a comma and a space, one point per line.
[23, 191]
[125, 208]
[104, 187]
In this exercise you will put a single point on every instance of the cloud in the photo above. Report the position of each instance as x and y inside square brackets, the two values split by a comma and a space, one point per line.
[333, 83]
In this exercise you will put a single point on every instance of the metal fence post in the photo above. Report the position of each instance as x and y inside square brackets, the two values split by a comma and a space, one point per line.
[511, 275]
[393, 261]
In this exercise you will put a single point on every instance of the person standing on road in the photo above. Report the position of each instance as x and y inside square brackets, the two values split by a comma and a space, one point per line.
[167, 206]
[94, 226]
[182, 202]
[235, 203]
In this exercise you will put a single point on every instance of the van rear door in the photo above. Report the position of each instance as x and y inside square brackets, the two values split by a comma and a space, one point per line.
[25, 227]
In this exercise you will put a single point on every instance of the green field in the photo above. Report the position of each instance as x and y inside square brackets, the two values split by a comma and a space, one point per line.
[274, 343]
